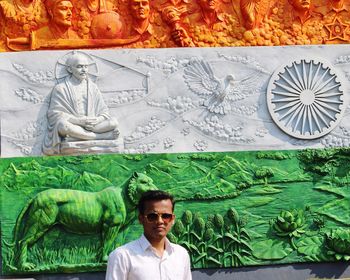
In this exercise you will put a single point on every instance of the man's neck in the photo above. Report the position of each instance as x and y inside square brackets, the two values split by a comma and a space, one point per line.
[303, 15]
[209, 17]
[140, 26]
[158, 245]
[77, 82]
[59, 31]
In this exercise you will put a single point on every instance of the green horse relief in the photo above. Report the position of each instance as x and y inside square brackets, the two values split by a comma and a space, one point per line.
[66, 214]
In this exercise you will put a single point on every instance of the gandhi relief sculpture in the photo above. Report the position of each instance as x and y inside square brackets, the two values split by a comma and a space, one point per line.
[77, 111]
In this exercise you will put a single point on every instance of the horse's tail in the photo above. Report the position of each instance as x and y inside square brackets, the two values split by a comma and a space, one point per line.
[16, 232]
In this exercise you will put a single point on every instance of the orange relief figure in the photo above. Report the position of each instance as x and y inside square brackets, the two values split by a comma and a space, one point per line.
[254, 12]
[140, 12]
[60, 24]
[209, 12]
[304, 22]
[171, 16]
[20, 17]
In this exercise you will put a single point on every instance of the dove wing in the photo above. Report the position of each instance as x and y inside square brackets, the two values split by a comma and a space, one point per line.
[245, 87]
[200, 78]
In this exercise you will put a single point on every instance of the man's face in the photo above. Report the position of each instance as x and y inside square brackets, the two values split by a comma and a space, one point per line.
[301, 5]
[140, 8]
[62, 13]
[79, 67]
[209, 5]
[156, 229]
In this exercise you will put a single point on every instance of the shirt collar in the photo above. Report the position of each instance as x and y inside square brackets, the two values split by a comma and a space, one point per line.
[145, 244]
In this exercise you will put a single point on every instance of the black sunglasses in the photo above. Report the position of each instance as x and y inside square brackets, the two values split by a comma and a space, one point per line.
[153, 217]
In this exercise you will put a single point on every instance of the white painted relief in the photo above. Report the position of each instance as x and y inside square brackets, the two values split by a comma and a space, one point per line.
[177, 100]
[305, 99]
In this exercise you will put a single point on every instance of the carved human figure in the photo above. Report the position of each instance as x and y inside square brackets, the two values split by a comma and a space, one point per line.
[171, 16]
[254, 11]
[301, 9]
[20, 17]
[140, 11]
[209, 9]
[60, 23]
[77, 110]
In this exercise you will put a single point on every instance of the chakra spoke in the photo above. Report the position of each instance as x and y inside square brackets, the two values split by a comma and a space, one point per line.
[304, 120]
[292, 104]
[329, 101]
[320, 80]
[309, 118]
[319, 114]
[304, 75]
[289, 94]
[290, 83]
[288, 112]
[315, 75]
[298, 75]
[299, 117]
[322, 110]
[328, 94]
[295, 80]
[296, 112]
[312, 110]
[327, 89]
[325, 105]
[310, 74]
[289, 89]
[285, 100]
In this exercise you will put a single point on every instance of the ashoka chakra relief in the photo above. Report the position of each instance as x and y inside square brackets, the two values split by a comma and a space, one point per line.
[305, 98]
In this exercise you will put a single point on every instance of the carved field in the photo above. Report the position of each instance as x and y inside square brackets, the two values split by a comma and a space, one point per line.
[233, 209]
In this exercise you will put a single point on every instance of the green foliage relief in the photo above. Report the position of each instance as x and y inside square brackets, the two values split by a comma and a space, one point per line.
[65, 214]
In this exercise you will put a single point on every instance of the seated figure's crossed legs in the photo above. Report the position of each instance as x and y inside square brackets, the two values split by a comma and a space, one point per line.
[106, 130]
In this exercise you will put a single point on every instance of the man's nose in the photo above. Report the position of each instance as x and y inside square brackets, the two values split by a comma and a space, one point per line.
[160, 219]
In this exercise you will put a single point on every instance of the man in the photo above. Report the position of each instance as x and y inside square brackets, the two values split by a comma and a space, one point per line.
[77, 110]
[152, 256]
[140, 11]
[60, 23]
[210, 14]
[301, 9]
[19, 18]
[254, 12]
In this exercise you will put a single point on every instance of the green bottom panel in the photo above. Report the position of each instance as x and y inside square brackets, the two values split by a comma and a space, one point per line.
[66, 214]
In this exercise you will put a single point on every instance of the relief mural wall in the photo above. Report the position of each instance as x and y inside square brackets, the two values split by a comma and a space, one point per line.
[65, 24]
[140, 101]
[178, 118]
[65, 214]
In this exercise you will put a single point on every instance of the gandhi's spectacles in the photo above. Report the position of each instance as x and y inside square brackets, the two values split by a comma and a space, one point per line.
[153, 217]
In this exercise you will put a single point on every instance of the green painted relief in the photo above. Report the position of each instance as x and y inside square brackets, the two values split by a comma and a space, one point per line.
[65, 214]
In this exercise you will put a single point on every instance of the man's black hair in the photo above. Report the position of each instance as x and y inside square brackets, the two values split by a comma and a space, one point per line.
[154, 196]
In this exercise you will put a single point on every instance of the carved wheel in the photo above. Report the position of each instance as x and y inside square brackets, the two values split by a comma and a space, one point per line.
[305, 98]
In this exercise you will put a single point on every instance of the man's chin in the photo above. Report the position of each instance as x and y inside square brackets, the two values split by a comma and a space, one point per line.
[66, 23]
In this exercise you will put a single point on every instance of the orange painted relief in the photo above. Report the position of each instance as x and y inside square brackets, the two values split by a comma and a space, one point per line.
[66, 24]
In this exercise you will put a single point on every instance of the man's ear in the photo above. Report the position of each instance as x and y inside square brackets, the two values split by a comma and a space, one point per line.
[140, 218]
[69, 69]
[49, 11]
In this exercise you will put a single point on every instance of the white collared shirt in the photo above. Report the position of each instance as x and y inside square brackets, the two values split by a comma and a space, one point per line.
[138, 260]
